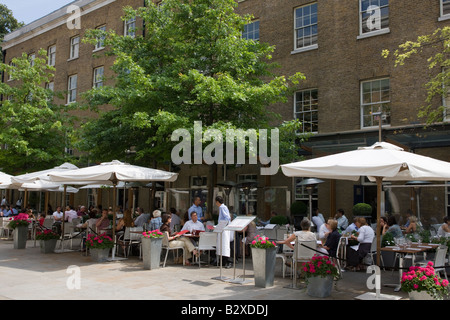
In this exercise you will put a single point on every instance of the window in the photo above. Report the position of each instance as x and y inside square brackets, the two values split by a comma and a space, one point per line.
[11, 64]
[375, 96]
[50, 86]
[305, 26]
[445, 10]
[98, 77]
[51, 55]
[101, 40]
[130, 27]
[248, 197]
[74, 47]
[251, 31]
[446, 103]
[374, 17]
[72, 89]
[306, 110]
[32, 57]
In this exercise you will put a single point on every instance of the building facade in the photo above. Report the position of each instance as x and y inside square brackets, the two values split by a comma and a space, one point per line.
[348, 86]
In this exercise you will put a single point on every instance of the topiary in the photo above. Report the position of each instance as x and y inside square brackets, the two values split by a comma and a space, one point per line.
[298, 208]
[362, 209]
[280, 220]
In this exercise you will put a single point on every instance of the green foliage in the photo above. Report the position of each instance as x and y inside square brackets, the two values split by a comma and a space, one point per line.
[34, 129]
[280, 220]
[362, 209]
[190, 64]
[298, 208]
[387, 240]
[437, 46]
[7, 23]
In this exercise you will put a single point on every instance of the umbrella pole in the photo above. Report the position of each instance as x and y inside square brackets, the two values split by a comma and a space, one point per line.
[114, 222]
[379, 186]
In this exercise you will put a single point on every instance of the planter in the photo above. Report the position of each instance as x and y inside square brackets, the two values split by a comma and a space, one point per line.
[264, 266]
[20, 237]
[422, 295]
[320, 287]
[48, 246]
[151, 252]
[99, 255]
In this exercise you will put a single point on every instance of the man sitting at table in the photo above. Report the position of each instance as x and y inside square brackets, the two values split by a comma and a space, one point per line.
[193, 224]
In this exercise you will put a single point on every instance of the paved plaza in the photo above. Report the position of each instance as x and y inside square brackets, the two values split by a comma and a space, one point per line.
[27, 274]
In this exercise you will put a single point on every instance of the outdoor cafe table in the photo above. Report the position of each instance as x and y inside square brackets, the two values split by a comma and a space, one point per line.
[405, 249]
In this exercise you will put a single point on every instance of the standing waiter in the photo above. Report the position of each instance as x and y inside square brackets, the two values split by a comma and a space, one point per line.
[224, 251]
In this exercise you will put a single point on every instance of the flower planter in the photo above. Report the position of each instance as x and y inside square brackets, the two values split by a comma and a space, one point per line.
[422, 295]
[264, 266]
[20, 237]
[151, 252]
[99, 255]
[320, 287]
[48, 246]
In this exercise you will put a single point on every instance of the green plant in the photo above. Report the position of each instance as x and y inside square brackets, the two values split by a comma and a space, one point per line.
[425, 235]
[47, 235]
[424, 279]
[21, 220]
[280, 220]
[320, 266]
[411, 237]
[262, 242]
[387, 240]
[362, 209]
[298, 208]
[152, 234]
[101, 241]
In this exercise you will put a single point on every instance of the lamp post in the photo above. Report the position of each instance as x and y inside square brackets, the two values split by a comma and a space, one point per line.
[227, 186]
[310, 184]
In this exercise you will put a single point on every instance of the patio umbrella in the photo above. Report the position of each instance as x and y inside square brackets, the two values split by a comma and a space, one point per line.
[379, 162]
[112, 172]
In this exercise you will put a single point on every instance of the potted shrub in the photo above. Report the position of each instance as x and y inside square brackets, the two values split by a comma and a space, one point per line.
[388, 257]
[99, 246]
[48, 240]
[422, 283]
[320, 272]
[151, 249]
[263, 257]
[362, 209]
[20, 224]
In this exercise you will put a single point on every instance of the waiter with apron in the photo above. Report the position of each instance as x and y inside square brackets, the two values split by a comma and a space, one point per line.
[224, 251]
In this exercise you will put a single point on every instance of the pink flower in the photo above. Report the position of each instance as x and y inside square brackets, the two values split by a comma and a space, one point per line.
[415, 286]
[254, 242]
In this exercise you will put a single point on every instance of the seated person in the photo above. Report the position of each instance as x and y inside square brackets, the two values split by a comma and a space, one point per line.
[193, 224]
[333, 238]
[365, 239]
[324, 231]
[352, 227]
[304, 235]
[444, 228]
[176, 240]
[394, 228]
[125, 222]
[155, 222]
[412, 226]
[103, 223]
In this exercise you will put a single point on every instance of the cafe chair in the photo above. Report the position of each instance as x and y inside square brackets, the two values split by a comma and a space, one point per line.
[439, 260]
[165, 246]
[285, 255]
[304, 252]
[4, 230]
[372, 253]
[206, 242]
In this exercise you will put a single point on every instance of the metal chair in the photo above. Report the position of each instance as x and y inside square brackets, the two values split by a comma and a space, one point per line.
[303, 252]
[166, 246]
[286, 254]
[373, 252]
[439, 260]
[206, 242]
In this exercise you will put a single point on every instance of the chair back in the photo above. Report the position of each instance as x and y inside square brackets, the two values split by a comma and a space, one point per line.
[48, 223]
[76, 221]
[207, 241]
[165, 240]
[439, 260]
[305, 250]
[135, 235]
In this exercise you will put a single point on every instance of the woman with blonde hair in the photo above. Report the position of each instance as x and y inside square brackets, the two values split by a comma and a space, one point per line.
[333, 238]
[412, 227]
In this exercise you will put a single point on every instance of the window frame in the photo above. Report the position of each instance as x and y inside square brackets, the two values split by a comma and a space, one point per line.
[73, 46]
[371, 33]
[95, 84]
[443, 16]
[381, 102]
[51, 55]
[72, 91]
[100, 44]
[311, 46]
[252, 33]
[127, 27]
[316, 110]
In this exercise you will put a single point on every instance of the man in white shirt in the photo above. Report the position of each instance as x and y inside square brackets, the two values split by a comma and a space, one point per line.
[193, 224]
[341, 219]
[58, 215]
[70, 214]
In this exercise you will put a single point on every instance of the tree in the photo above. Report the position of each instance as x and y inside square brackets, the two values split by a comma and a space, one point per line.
[190, 64]
[34, 130]
[7, 23]
[438, 85]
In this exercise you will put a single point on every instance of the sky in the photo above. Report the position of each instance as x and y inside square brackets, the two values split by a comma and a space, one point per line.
[29, 10]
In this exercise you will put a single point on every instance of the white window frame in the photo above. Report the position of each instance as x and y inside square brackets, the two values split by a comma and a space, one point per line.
[130, 24]
[100, 41]
[72, 88]
[311, 46]
[250, 35]
[443, 16]
[12, 64]
[74, 47]
[363, 105]
[372, 33]
[304, 112]
[52, 55]
[98, 78]
[50, 85]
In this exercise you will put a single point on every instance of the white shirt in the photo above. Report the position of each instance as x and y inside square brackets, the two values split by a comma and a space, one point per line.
[305, 235]
[323, 230]
[57, 214]
[366, 234]
[191, 226]
[317, 222]
[70, 215]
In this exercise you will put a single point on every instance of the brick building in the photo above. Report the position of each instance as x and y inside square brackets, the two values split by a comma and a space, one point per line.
[337, 45]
